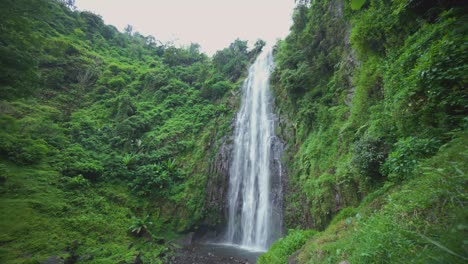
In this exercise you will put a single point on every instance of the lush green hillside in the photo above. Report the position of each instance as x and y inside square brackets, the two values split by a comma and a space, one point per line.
[373, 103]
[109, 141]
[106, 138]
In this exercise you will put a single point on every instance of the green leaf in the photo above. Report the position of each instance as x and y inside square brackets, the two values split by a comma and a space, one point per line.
[357, 4]
[442, 247]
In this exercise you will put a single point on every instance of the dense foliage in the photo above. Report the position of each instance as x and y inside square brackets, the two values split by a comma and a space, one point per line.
[373, 102]
[103, 133]
[107, 138]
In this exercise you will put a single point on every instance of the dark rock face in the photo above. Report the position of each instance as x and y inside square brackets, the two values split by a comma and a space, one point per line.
[86, 257]
[218, 183]
[186, 240]
[293, 258]
[279, 179]
[297, 206]
[286, 134]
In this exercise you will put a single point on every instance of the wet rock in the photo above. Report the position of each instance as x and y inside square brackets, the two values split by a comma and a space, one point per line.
[73, 246]
[85, 257]
[218, 180]
[186, 241]
[130, 245]
[72, 259]
[205, 234]
[159, 241]
[137, 259]
[54, 260]
[293, 258]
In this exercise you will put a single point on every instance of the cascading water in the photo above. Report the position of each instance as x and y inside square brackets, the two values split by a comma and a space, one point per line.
[254, 198]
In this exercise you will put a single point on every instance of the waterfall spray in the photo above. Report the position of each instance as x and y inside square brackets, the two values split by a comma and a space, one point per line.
[254, 198]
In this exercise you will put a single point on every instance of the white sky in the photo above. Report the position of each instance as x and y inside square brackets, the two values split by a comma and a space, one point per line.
[213, 24]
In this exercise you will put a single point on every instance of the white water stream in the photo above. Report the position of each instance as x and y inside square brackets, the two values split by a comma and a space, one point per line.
[254, 198]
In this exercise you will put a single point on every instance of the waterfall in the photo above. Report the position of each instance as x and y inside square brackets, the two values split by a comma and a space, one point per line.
[254, 197]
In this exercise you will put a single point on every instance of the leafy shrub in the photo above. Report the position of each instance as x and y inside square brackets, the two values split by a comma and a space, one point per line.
[23, 150]
[30, 151]
[232, 61]
[77, 161]
[18, 70]
[286, 246]
[425, 84]
[90, 169]
[346, 213]
[378, 28]
[357, 4]
[321, 194]
[3, 173]
[6, 143]
[93, 22]
[423, 221]
[216, 90]
[140, 225]
[154, 179]
[406, 155]
[128, 159]
[368, 155]
[297, 80]
[117, 82]
[77, 182]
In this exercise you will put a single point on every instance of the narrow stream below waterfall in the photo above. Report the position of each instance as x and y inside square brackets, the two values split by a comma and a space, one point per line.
[228, 251]
[199, 253]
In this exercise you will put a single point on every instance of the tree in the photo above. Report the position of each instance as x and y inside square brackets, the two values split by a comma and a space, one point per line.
[150, 40]
[69, 3]
[258, 46]
[232, 61]
[128, 30]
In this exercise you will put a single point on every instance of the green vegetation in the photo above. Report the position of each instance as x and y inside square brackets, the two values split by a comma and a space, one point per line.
[419, 221]
[106, 138]
[373, 103]
[286, 246]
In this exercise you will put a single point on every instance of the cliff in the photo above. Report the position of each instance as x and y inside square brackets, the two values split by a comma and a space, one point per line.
[373, 108]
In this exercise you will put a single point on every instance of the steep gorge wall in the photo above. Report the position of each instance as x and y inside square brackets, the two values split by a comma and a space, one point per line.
[293, 125]
[351, 88]
[218, 182]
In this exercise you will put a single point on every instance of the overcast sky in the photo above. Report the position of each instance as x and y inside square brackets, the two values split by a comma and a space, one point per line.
[213, 24]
